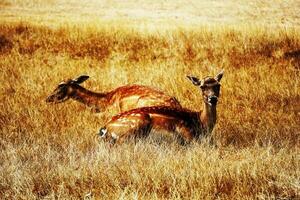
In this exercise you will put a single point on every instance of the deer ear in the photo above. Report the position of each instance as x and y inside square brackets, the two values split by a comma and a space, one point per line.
[194, 80]
[219, 76]
[81, 79]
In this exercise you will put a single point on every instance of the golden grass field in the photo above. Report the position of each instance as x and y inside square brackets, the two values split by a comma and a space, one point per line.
[52, 151]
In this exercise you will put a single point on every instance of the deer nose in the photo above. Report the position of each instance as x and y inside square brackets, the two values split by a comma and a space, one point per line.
[213, 99]
[49, 99]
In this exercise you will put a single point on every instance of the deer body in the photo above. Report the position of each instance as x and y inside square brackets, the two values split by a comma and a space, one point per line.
[185, 124]
[119, 100]
[139, 122]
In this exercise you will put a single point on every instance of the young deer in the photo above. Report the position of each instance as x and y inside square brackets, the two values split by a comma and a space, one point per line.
[121, 99]
[186, 124]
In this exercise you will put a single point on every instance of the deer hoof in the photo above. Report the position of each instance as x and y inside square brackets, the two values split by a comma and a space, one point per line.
[102, 132]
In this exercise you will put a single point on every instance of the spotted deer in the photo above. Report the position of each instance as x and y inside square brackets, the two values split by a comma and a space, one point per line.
[119, 100]
[185, 124]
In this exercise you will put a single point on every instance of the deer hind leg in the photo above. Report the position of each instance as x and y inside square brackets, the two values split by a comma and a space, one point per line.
[126, 127]
[184, 134]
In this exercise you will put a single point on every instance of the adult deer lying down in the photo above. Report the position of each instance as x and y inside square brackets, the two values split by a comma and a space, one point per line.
[120, 99]
[186, 124]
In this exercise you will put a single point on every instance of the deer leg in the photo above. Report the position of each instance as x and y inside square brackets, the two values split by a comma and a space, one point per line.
[125, 127]
[184, 134]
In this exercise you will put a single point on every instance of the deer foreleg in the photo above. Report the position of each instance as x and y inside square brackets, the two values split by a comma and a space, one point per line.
[183, 133]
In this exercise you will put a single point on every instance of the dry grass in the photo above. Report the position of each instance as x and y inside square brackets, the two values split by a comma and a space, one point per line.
[53, 152]
[153, 13]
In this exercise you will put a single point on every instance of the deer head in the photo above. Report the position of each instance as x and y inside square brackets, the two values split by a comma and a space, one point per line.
[209, 86]
[65, 89]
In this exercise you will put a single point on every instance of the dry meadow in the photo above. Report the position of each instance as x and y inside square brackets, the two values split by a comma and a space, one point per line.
[52, 151]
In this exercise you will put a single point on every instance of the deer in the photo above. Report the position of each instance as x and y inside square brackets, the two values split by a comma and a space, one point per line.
[120, 99]
[185, 124]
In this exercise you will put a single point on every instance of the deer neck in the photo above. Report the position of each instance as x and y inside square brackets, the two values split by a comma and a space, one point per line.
[98, 101]
[208, 116]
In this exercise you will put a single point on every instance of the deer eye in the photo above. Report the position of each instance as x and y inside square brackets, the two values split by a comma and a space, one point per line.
[61, 85]
[203, 87]
[217, 88]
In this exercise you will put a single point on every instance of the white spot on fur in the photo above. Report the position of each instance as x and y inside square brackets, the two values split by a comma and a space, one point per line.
[114, 136]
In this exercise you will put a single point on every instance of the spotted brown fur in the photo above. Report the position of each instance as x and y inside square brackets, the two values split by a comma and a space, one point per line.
[186, 124]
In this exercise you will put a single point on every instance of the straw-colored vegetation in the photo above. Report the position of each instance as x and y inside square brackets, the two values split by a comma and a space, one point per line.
[52, 151]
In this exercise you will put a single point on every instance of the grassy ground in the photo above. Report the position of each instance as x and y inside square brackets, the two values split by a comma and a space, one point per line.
[51, 151]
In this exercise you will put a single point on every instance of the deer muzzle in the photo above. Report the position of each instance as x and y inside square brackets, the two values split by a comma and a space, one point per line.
[49, 99]
[213, 100]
